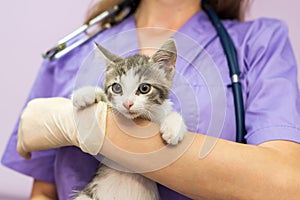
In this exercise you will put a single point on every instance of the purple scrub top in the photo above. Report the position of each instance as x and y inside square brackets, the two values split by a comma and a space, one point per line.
[268, 78]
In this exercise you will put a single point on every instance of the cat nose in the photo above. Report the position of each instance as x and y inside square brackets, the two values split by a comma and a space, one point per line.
[128, 104]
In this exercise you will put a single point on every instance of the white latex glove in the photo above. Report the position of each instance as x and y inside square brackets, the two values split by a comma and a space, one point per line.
[53, 122]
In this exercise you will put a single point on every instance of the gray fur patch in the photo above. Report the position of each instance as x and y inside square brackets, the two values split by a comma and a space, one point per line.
[130, 73]
[146, 71]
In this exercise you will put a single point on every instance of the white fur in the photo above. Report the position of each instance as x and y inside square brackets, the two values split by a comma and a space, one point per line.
[173, 128]
[87, 96]
[120, 185]
[129, 85]
[128, 186]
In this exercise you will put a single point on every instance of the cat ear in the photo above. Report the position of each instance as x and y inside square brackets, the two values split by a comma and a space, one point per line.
[166, 55]
[110, 57]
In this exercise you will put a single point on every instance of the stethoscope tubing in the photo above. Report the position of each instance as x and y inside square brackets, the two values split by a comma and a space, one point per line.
[234, 71]
[63, 47]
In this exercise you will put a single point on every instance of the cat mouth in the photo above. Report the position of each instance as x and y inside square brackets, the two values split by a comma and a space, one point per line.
[132, 114]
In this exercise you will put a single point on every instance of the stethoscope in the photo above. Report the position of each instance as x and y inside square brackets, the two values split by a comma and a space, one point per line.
[127, 7]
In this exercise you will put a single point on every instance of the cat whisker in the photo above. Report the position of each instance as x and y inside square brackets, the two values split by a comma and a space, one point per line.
[148, 115]
[116, 112]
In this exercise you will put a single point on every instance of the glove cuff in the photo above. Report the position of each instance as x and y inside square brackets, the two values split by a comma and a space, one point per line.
[91, 127]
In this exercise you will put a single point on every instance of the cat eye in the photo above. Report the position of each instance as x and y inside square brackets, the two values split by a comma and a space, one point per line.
[144, 88]
[116, 88]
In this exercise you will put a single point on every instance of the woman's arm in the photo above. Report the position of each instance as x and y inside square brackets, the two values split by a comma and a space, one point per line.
[43, 191]
[231, 170]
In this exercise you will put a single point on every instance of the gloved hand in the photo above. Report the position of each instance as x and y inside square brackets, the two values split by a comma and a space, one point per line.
[53, 122]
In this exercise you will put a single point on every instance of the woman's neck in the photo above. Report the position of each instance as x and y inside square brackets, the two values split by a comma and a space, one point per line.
[157, 20]
[168, 14]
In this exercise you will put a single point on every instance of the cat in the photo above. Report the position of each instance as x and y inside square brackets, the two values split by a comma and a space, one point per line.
[137, 87]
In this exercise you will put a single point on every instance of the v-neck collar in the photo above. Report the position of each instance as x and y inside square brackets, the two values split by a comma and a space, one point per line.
[194, 30]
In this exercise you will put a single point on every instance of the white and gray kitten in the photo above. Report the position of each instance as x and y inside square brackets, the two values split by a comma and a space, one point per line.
[136, 86]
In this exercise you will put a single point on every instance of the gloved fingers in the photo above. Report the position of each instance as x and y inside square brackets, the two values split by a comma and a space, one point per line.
[53, 122]
[22, 152]
[20, 144]
[38, 129]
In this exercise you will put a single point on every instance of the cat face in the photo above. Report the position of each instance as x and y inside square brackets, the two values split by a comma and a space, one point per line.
[138, 85]
[136, 95]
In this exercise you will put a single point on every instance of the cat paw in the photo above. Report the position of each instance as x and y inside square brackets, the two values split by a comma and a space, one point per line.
[173, 128]
[86, 96]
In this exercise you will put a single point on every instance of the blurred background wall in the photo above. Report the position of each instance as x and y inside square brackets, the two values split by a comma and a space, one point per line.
[30, 27]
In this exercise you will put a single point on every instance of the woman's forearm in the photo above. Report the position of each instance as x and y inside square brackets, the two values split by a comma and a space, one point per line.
[43, 191]
[230, 171]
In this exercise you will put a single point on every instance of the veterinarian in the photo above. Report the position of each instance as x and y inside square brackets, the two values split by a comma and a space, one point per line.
[267, 167]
